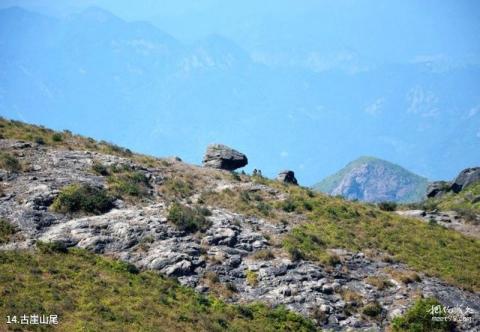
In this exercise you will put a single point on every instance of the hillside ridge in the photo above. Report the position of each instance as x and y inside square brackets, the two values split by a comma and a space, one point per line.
[241, 238]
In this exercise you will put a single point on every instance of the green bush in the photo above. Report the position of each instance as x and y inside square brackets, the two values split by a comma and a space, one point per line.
[177, 188]
[419, 318]
[51, 247]
[9, 163]
[288, 205]
[82, 198]
[265, 255]
[387, 206]
[57, 137]
[187, 219]
[7, 230]
[252, 278]
[129, 183]
[100, 169]
[373, 309]
[39, 140]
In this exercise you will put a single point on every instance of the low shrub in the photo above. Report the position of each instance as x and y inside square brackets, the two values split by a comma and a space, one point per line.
[39, 140]
[51, 247]
[420, 318]
[288, 205]
[235, 176]
[295, 254]
[57, 137]
[7, 230]
[100, 169]
[252, 278]
[264, 255]
[379, 282]
[177, 188]
[82, 198]
[9, 163]
[387, 206]
[406, 277]
[128, 183]
[187, 219]
[373, 309]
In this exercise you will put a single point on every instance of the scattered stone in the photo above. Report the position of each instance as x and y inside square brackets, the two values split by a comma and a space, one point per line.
[222, 157]
[287, 176]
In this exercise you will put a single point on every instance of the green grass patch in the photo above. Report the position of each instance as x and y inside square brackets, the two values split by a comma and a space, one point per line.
[466, 202]
[419, 318]
[128, 183]
[373, 309]
[7, 230]
[9, 163]
[188, 219]
[92, 293]
[13, 129]
[177, 188]
[336, 223]
[82, 198]
[249, 203]
[252, 278]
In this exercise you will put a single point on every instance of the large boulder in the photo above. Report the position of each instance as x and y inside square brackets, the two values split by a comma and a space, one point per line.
[438, 188]
[287, 176]
[465, 178]
[222, 157]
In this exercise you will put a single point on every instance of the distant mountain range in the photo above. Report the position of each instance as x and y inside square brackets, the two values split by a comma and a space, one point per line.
[374, 180]
[136, 85]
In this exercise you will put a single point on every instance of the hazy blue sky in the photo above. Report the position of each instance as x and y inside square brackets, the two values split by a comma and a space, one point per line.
[307, 85]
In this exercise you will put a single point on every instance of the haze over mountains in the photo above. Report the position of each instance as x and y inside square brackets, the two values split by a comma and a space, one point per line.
[136, 85]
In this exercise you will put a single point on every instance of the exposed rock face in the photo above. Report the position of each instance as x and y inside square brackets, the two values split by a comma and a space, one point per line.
[222, 157]
[374, 180]
[287, 177]
[465, 178]
[140, 234]
[438, 188]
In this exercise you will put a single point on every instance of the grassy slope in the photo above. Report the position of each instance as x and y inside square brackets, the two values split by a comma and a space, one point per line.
[334, 222]
[464, 200]
[337, 223]
[18, 130]
[91, 293]
[429, 248]
[329, 183]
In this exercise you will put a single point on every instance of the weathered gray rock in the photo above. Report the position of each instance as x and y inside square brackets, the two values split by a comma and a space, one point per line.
[222, 157]
[466, 178]
[287, 176]
[438, 188]
[141, 235]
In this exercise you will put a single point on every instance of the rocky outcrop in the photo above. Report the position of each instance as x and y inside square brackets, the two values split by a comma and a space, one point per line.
[227, 254]
[438, 188]
[222, 157]
[287, 176]
[466, 178]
